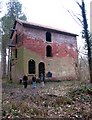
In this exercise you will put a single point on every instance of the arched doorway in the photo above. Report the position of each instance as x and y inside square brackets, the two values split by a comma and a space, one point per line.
[31, 66]
[41, 68]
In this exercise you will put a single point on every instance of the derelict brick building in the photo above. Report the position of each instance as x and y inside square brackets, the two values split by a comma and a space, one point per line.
[40, 49]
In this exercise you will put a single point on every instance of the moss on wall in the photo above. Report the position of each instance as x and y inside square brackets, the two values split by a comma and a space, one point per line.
[31, 55]
[20, 62]
[58, 67]
[18, 67]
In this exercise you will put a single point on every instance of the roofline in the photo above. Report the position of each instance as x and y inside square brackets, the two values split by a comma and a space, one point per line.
[41, 27]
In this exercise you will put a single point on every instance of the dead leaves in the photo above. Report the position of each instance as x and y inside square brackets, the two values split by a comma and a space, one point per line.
[54, 100]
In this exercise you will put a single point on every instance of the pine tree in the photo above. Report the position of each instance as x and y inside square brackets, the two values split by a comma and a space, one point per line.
[14, 10]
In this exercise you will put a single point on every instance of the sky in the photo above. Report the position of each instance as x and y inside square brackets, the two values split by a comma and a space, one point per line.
[54, 13]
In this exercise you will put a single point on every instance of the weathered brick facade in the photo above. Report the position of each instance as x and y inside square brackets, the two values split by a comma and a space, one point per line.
[35, 53]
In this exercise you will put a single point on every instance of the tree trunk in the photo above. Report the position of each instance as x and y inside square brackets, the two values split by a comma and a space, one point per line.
[90, 69]
[87, 38]
[3, 60]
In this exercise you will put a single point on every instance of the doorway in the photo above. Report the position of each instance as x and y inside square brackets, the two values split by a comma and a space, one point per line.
[31, 66]
[41, 68]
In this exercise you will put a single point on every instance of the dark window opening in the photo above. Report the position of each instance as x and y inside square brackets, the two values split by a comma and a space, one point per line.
[48, 36]
[49, 74]
[16, 52]
[31, 67]
[16, 38]
[76, 65]
[48, 51]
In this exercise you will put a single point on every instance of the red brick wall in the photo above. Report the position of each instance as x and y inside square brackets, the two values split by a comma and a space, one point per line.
[62, 45]
[63, 50]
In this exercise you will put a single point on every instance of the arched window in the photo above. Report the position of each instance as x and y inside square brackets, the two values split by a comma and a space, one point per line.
[31, 67]
[48, 36]
[49, 51]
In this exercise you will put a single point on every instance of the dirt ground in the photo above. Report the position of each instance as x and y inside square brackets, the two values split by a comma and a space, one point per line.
[66, 100]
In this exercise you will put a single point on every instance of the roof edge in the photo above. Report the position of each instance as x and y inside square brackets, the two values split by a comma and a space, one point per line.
[39, 26]
[28, 24]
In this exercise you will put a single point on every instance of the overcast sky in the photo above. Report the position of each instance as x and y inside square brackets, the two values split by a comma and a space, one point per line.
[54, 13]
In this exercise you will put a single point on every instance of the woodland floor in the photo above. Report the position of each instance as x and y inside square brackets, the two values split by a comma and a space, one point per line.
[66, 100]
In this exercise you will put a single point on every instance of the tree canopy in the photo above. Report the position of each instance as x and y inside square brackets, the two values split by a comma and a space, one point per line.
[14, 10]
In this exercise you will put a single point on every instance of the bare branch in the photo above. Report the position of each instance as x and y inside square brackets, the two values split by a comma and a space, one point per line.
[78, 4]
[78, 51]
[72, 16]
[84, 60]
[79, 14]
[77, 17]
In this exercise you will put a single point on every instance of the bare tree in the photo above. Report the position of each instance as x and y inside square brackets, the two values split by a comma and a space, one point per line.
[85, 33]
